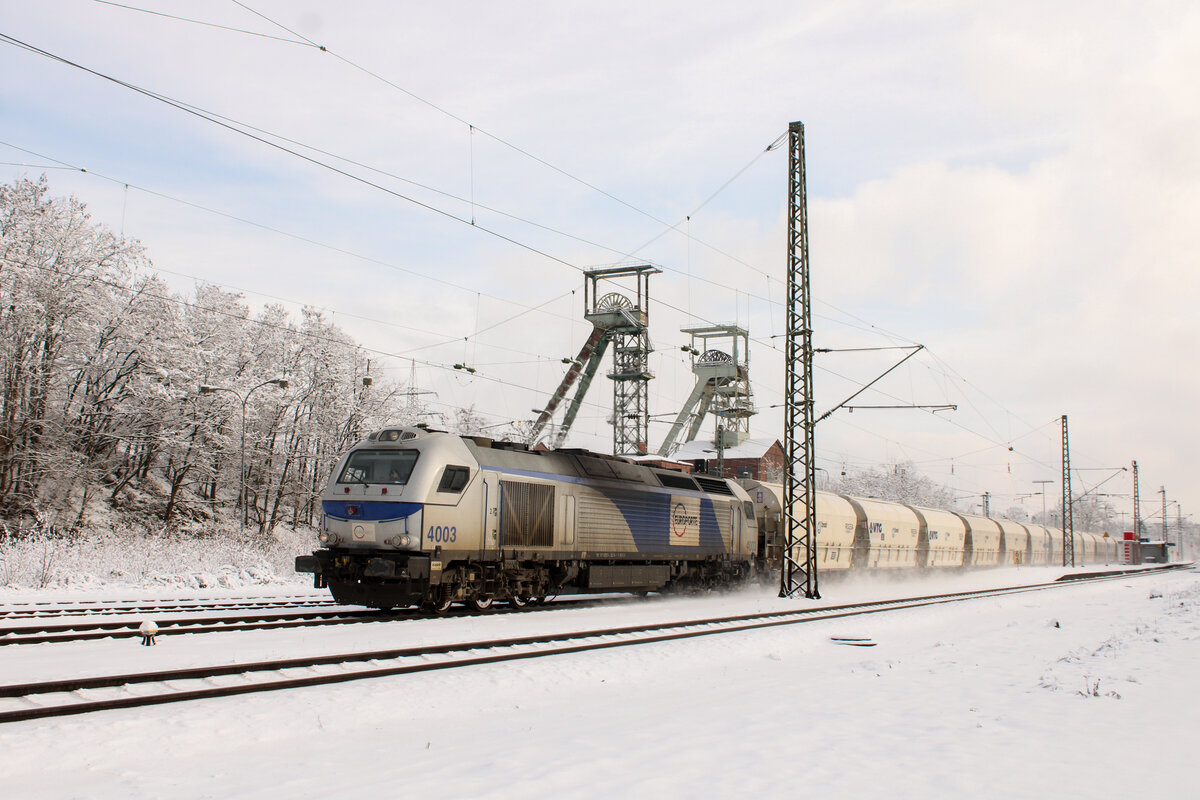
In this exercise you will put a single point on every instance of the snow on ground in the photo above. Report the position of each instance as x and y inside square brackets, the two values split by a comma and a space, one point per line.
[1062, 693]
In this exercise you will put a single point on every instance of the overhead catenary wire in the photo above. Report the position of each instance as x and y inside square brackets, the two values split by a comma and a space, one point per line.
[449, 340]
[317, 162]
[252, 132]
[473, 127]
[358, 178]
[281, 232]
[206, 24]
[454, 339]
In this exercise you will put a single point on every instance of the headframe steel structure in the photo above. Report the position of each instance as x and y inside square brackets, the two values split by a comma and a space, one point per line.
[799, 572]
[625, 323]
[722, 387]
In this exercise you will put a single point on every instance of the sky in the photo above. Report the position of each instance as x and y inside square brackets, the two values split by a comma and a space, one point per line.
[1013, 185]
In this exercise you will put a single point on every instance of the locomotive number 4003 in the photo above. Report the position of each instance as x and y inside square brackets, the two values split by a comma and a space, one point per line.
[444, 534]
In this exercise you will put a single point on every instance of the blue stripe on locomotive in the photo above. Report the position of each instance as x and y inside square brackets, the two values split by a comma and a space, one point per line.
[648, 516]
[369, 511]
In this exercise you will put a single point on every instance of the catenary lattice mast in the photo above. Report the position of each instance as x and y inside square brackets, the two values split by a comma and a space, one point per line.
[1068, 515]
[799, 573]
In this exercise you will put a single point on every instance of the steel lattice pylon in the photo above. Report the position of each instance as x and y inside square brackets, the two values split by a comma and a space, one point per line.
[799, 571]
[1068, 515]
[1137, 505]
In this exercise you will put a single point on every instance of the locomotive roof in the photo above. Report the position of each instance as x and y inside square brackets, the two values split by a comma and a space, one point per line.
[575, 462]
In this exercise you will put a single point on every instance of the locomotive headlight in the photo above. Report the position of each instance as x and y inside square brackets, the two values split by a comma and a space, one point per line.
[401, 541]
[327, 538]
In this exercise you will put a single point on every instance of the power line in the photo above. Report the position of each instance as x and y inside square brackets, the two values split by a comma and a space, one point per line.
[668, 227]
[207, 24]
[476, 128]
[251, 132]
[281, 232]
[201, 114]
[238, 127]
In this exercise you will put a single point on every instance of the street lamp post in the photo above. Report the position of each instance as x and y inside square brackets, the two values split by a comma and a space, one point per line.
[282, 383]
[1043, 494]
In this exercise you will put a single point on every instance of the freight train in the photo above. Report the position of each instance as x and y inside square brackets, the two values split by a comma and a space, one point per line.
[862, 533]
[418, 517]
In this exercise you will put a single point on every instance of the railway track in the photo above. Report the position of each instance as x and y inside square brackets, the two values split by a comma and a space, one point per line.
[77, 696]
[17, 611]
[265, 619]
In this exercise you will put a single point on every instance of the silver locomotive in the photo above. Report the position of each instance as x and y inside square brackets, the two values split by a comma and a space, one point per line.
[419, 517]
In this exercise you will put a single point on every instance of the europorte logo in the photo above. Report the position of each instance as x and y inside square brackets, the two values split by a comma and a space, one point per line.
[685, 523]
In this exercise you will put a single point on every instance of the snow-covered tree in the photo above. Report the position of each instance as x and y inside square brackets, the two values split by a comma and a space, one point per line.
[101, 376]
[1015, 513]
[901, 483]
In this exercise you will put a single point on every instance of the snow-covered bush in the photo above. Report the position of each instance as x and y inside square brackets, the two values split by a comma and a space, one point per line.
[219, 556]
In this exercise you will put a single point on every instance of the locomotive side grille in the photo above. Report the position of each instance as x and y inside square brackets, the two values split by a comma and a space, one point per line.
[527, 514]
[675, 481]
[601, 525]
[714, 486]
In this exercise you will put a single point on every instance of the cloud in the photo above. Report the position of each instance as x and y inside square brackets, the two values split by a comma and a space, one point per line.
[1013, 184]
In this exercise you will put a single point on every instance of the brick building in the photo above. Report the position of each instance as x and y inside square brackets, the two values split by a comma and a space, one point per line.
[760, 459]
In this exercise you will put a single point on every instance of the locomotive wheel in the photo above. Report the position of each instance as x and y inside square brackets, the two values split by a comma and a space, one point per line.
[518, 601]
[480, 603]
[439, 607]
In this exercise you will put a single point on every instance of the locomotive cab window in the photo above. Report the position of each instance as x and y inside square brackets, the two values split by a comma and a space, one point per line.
[454, 479]
[379, 466]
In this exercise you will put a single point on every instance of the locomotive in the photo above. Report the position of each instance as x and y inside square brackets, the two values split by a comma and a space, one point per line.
[413, 516]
